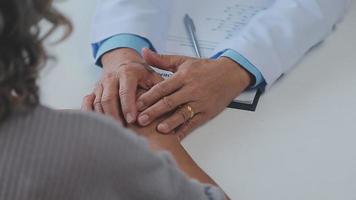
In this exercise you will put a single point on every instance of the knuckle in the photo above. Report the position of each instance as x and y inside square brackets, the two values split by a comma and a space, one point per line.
[108, 79]
[97, 101]
[87, 101]
[88, 97]
[108, 76]
[97, 104]
[143, 102]
[124, 92]
[106, 100]
[124, 69]
[155, 111]
[168, 102]
[161, 89]
[134, 72]
[183, 117]
[181, 114]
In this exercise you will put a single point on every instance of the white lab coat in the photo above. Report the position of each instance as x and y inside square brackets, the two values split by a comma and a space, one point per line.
[274, 40]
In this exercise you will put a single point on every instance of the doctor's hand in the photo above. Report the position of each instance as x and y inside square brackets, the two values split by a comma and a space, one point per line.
[198, 91]
[124, 71]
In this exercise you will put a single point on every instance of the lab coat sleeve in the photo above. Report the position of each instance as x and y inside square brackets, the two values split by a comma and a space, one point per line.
[134, 42]
[259, 81]
[277, 38]
[146, 18]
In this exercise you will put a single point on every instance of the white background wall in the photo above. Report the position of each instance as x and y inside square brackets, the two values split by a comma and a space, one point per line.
[74, 60]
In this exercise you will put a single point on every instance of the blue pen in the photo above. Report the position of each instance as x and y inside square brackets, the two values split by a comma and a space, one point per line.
[190, 27]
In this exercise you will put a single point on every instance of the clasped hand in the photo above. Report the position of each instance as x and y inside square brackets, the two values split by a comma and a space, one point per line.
[198, 90]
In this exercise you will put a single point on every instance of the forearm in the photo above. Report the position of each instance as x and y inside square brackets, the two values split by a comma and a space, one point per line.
[170, 143]
[183, 159]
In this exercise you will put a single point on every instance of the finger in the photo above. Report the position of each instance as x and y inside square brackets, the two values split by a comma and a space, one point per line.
[165, 62]
[98, 91]
[190, 126]
[156, 78]
[140, 92]
[163, 106]
[150, 81]
[88, 102]
[121, 116]
[109, 98]
[181, 116]
[127, 93]
[159, 91]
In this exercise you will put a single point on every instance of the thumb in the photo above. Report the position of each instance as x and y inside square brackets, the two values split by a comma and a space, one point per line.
[165, 62]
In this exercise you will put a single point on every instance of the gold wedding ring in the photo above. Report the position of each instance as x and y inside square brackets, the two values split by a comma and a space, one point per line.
[191, 111]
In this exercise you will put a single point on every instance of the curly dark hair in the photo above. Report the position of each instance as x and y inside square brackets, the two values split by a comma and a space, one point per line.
[22, 52]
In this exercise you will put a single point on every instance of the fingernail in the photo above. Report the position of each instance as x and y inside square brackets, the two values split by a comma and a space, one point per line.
[163, 127]
[143, 120]
[130, 118]
[140, 105]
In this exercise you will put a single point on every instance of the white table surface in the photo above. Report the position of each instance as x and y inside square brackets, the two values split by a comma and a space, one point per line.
[299, 144]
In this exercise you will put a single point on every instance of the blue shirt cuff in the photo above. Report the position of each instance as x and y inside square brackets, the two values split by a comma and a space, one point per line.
[247, 65]
[119, 41]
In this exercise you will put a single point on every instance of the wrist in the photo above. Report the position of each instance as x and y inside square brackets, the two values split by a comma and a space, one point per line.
[240, 75]
[157, 140]
[113, 59]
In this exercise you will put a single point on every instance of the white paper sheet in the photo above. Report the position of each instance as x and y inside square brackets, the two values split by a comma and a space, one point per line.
[215, 22]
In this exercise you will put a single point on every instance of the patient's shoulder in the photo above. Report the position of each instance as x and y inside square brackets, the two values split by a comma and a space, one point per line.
[45, 123]
[87, 123]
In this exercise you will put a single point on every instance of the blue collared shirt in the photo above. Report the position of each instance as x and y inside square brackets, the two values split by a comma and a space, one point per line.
[138, 43]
